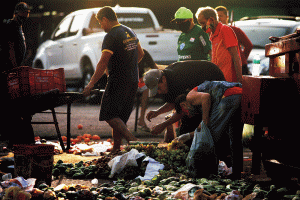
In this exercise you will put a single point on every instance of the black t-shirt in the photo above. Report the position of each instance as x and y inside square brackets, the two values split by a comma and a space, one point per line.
[122, 42]
[12, 33]
[184, 76]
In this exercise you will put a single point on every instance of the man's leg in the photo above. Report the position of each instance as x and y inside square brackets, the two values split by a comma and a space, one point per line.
[120, 130]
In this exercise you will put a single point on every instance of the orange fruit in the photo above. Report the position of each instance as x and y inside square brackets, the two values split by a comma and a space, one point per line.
[87, 139]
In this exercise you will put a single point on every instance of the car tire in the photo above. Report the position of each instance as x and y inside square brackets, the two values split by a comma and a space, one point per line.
[38, 65]
[87, 73]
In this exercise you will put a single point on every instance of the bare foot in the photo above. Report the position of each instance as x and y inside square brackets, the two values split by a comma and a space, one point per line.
[142, 123]
[129, 137]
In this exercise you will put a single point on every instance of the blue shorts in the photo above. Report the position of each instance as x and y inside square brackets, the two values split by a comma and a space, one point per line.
[118, 100]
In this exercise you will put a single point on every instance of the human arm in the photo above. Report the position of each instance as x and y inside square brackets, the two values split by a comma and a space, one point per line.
[140, 52]
[231, 43]
[244, 41]
[203, 99]
[157, 129]
[236, 62]
[163, 109]
[185, 137]
[12, 55]
[100, 69]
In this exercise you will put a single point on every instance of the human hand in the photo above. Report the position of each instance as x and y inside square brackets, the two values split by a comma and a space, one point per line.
[87, 90]
[199, 128]
[206, 120]
[157, 129]
[152, 114]
[183, 138]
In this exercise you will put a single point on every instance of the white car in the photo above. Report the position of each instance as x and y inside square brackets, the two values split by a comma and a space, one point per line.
[76, 43]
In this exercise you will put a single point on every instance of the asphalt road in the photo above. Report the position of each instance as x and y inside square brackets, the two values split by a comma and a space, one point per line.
[88, 116]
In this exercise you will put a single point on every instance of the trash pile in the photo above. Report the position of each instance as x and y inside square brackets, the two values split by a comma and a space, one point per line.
[85, 145]
[142, 172]
[157, 188]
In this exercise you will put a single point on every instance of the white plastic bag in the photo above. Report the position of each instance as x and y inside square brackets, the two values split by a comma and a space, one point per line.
[223, 170]
[119, 162]
[152, 169]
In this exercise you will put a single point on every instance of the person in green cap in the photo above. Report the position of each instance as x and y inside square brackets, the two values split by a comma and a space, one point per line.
[193, 43]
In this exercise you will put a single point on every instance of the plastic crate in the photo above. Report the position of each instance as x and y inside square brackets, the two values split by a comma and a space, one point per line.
[34, 149]
[34, 161]
[26, 81]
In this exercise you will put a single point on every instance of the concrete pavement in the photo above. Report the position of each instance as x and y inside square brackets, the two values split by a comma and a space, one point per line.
[88, 116]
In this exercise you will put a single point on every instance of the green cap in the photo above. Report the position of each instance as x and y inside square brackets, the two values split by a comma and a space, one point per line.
[183, 13]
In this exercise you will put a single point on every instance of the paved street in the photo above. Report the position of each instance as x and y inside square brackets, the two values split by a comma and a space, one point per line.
[88, 116]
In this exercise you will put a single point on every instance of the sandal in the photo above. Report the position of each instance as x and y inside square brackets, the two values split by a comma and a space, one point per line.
[144, 128]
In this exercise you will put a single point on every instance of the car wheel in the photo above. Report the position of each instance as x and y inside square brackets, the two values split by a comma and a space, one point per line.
[38, 65]
[87, 75]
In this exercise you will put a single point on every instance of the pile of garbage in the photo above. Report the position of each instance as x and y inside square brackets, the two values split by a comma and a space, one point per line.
[155, 189]
[85, 145]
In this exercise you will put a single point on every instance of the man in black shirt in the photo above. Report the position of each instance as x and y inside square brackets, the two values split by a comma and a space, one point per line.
[12, 53]
[121, 52]
[13, 46]
[175, 80]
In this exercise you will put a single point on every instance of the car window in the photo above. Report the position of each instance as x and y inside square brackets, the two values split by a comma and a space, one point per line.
[259, 35]
[76, 24]
[62, 30]
[135, 20]
[94, 25]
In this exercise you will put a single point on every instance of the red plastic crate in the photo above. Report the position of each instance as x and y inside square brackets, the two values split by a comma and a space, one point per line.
[25, 81]
[34, 149]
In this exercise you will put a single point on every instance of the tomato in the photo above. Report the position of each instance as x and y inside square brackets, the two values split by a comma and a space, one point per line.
[79, 126]
[96, 137]
[86, 136]
[64, 138]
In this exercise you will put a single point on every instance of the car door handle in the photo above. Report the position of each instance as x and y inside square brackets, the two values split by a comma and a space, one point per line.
[74, 44]
[153, 43]
[60, 46]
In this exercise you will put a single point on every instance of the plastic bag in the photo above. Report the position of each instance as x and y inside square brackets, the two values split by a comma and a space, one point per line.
[223, 170]
[119, 162]
[201, 160]
[152, 169]
[234, 195]
[186, 188]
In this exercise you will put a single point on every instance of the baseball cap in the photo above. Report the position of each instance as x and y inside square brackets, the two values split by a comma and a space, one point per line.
[151, 79]
[183, 13]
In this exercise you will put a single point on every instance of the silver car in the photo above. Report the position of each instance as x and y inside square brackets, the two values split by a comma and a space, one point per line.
[259, 29]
